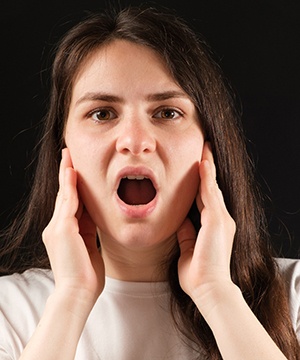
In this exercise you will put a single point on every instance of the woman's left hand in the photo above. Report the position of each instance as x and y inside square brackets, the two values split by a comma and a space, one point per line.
[204, 274]
[204, 264]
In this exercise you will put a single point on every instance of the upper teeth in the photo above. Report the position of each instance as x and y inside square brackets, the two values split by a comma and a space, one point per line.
[135, 177]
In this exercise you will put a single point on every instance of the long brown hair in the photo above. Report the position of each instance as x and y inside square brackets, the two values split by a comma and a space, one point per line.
[253, 268]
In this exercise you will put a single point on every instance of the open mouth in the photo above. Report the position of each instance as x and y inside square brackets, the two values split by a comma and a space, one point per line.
[136, 190]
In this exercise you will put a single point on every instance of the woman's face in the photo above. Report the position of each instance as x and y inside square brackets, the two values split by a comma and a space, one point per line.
[135, 142]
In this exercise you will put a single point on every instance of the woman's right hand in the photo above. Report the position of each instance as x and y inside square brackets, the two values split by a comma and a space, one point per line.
[78, 269]
[70, 240]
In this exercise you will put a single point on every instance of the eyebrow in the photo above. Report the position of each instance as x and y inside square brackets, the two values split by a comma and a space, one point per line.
[98, 96]
[102, 96]
[166, 95]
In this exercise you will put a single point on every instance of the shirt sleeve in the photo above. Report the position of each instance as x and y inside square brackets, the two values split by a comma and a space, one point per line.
[290, 269]
[22, 301]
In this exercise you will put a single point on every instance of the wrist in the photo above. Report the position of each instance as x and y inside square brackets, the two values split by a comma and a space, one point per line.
[72, 301]
[217, 297]
[238, 332]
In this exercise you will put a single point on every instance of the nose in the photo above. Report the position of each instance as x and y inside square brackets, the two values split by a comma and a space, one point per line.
[135, 136]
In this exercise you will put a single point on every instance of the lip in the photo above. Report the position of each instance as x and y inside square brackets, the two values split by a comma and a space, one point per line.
[136, 211]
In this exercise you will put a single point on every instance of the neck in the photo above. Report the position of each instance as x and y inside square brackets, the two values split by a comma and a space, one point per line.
[142, 264]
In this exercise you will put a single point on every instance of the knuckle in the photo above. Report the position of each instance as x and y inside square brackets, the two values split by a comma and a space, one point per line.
[52, 230]
[46, 234]
[226, 221]
[231, 224]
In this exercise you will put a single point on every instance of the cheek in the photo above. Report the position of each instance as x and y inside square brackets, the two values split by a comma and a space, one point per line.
[91, 191]
[85, 163]
[188, 166]
[84, 150]
[185, 176]
[187, 154]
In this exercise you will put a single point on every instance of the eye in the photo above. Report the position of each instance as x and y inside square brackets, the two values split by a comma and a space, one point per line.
[102, 115]
[168, 114]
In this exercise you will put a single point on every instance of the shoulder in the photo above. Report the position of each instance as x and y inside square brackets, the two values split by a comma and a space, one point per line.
[22, 301]
[32, 282]
[290, 271]
[29, 290]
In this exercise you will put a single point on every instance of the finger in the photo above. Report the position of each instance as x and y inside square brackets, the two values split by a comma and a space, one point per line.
[65, 162]
[211, 195]
[208, 155]
[67, 201]
[80, 209]
[199, 202]
[87, 230]
[214, 210]
[70, 201]
[186, 236]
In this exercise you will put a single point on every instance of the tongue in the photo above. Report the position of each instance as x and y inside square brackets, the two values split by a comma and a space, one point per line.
[136, 192]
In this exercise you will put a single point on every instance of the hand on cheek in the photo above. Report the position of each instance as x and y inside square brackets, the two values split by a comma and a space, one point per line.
[70, 240]
[204, 263]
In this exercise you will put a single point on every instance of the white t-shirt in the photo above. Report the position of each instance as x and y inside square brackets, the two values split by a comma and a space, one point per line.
[130, 321]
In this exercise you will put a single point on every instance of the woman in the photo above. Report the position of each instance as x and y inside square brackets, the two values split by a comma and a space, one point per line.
[140, 235]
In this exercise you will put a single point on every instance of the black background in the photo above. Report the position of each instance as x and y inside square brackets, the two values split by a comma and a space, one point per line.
[257, 44]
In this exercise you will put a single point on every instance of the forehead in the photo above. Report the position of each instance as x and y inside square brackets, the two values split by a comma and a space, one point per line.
[123, 62]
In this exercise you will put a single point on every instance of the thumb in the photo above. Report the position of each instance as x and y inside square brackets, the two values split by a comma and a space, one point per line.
[87, 229]
[186, 236]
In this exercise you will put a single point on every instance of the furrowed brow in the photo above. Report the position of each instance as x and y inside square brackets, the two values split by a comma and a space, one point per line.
[102, 96]
[98, 96]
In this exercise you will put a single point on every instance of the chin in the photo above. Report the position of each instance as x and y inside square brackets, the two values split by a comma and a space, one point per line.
[138, 236]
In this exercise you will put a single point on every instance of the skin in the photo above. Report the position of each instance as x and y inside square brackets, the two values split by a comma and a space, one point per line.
[95, 153]
[136, 138]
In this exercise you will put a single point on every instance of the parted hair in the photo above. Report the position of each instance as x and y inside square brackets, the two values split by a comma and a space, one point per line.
[189, 60]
